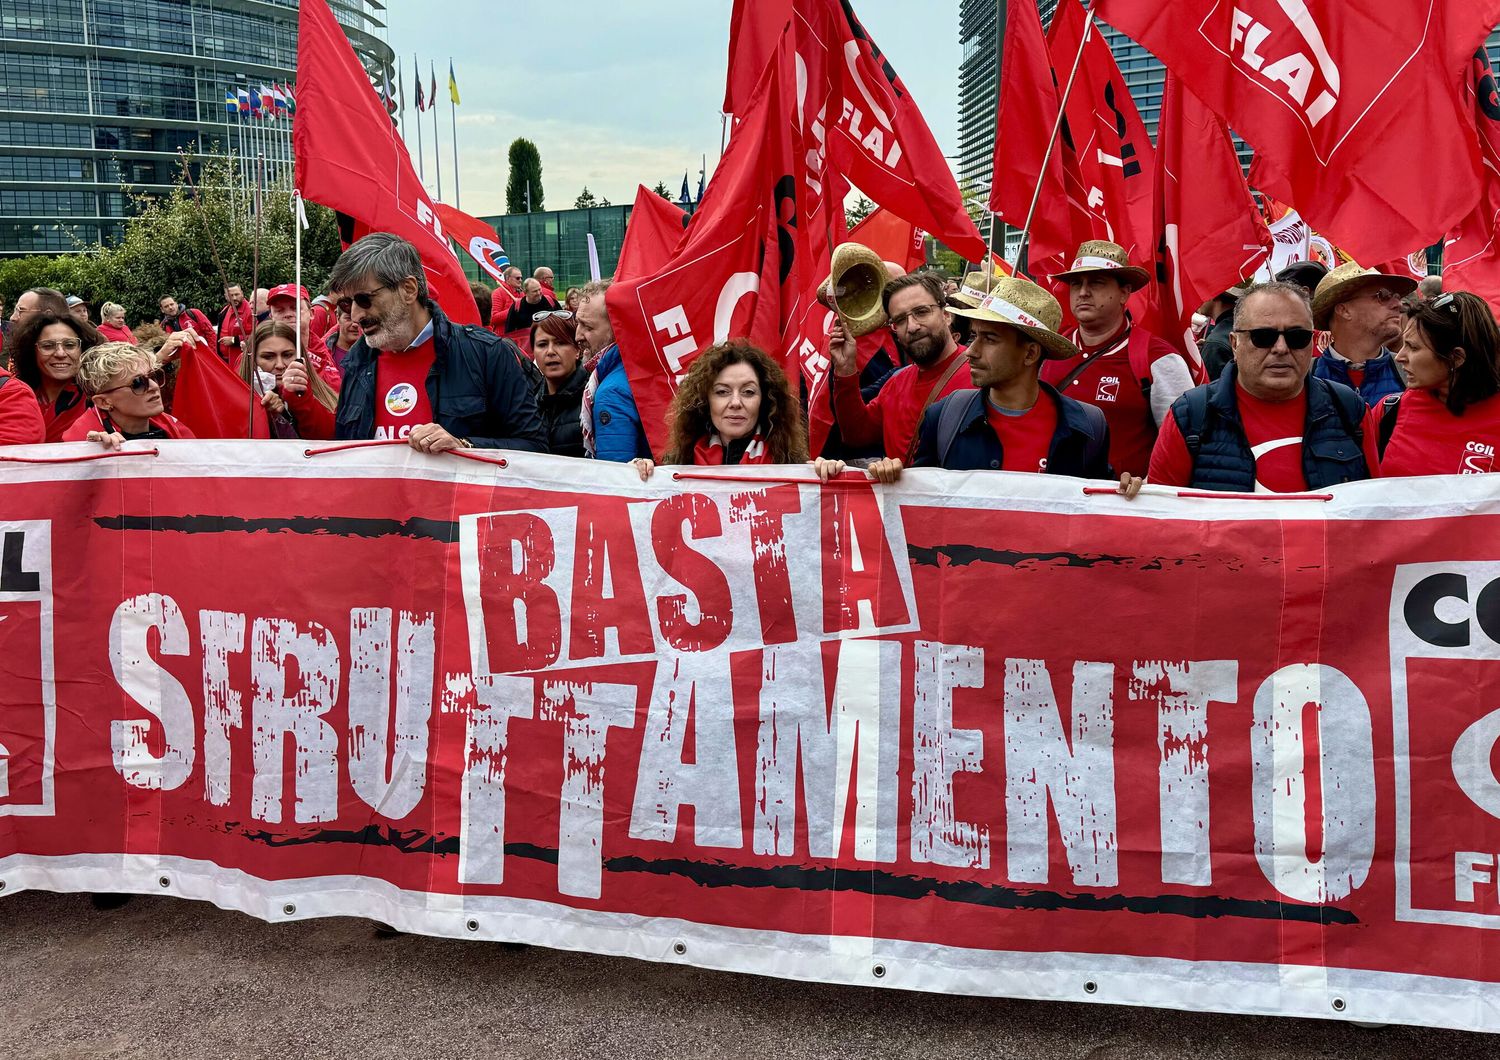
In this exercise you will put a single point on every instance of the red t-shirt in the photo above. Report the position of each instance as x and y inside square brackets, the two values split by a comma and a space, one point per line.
[20, 415]
[1026, 437]
[1274, 431]
[891, 418]
[1430, 440]
[401, 401]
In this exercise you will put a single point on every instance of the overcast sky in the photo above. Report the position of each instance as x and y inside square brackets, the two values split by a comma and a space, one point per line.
[617, 93]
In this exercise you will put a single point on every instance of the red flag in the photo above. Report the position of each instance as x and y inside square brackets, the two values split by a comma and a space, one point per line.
[474, 238]
[1352, 108]
[652, 234]
[350, 157]
[739, 267]
[1471, 253]
[1210, 233]
[212, 400]
[752, 42]
[892, 238]
[858, 112]
[1109, 141]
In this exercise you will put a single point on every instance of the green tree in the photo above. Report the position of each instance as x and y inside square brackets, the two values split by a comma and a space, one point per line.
[586, 200]
[661, 189]
[525, 173]
[861, 209]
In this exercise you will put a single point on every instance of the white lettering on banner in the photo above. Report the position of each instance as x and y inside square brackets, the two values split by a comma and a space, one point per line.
[388, 760]
[221, 634]
[1470, 868]
[939, 751]
[873, 141]
[674, 324]
[1182, 692]
[1079, 780]
[428, 219]
[481, 833]
[1346, 770]
[1294, 71]
[1473, 753]
[143, 680]
[274, 645]
[587, 712]
[695, 687]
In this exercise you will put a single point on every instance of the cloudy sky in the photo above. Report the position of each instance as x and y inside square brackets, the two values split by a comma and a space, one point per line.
[617, 93]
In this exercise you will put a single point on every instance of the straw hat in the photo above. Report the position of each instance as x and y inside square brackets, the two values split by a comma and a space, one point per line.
[1101, 256]
[861, 276]
[974, 287]
[1028, 308]
[1348, 280]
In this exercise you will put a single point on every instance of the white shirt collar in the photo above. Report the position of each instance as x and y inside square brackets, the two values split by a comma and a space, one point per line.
[422, 336]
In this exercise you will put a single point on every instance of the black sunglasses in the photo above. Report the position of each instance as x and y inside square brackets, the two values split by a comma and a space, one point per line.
[364, 299]
[1265, 338]
[140, 384]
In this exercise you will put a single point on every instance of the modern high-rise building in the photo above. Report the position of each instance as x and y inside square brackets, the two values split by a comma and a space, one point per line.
[99, 94]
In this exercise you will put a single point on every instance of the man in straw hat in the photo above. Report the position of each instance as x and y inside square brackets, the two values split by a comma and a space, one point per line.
[1361, 308]
[1266, 425]
[1014, 421]
[934, 367]
[1131, 374]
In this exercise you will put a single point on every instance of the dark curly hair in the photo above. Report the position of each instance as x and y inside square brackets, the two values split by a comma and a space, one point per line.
[22, 347]
[780, 422]
[1461, 320]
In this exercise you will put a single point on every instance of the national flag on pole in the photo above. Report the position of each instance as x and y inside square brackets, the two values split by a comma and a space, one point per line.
[243, 96]
[254, 104]
[687, 195]
[388, 93]
[280, 101]
[452, 84]
[702, 177]
[1357, 112]
[421, 103]
[231, 103]
[432, 92]
[291, 100]
[350, 158]
[267, 103]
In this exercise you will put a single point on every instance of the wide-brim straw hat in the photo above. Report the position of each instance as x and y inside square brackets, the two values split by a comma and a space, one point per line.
[1101, 257]
[973, 289]
[860, 310]
[1028, 308]
[1346, 281]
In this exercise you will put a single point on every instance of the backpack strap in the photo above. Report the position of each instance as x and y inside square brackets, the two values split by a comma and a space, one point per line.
[1191, 413]
[1389, 408]
[935, 394]
[1352, 410]
[951, 416]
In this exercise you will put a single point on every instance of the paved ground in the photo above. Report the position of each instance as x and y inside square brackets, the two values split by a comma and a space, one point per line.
[162, 978]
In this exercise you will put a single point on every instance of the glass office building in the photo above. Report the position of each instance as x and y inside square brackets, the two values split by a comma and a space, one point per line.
[96, 94]
[559, 239]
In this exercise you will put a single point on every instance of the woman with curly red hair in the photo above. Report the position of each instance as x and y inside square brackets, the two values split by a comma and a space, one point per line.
[735, 406]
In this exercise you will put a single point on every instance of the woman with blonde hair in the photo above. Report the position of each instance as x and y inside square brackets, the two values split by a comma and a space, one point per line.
[112, 324]
[275, 346]
[123, 384]
[735, 406]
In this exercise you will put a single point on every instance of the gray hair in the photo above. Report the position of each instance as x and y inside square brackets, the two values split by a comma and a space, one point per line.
[1431, 286]
[109, 309]
[1289, 290]
[593, 289]
[107, 360]
[388, 259]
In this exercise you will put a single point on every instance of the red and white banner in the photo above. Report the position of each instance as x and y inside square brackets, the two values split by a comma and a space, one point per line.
[1230, 755]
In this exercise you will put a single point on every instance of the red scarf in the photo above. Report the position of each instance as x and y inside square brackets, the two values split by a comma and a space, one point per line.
[709, 451]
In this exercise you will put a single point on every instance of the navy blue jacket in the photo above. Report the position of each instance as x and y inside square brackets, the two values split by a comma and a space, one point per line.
[1332, 435]
[1080, 445]
[477, 388]
[1382, 377]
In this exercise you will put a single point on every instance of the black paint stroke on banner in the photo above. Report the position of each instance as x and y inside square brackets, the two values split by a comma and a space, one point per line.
[874, 882]
[316, 526]
[963, 555]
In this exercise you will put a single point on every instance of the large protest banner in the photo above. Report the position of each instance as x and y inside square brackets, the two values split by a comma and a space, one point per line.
[979, 733]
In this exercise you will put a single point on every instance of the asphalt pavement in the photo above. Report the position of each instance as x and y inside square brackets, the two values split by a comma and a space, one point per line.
[164, 978]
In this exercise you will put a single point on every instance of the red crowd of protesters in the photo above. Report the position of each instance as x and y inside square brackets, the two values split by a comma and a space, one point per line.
[1317, 378]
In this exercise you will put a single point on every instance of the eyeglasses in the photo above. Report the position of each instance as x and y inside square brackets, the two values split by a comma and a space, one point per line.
[141, 384]
[922, 314]
[1385, 296]
[566, 314]
[1265, 338]
[364, 299]
[60, 345]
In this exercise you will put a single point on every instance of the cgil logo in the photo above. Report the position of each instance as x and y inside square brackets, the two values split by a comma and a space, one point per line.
[1479, 459]
[1270, 54]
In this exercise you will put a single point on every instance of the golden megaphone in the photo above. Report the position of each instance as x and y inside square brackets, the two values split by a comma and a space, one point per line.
[853, 289]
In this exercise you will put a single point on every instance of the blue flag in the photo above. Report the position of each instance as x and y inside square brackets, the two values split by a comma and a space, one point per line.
[687, 194]
[231, 102]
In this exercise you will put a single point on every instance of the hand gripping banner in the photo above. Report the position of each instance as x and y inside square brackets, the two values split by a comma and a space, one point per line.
[977, 733]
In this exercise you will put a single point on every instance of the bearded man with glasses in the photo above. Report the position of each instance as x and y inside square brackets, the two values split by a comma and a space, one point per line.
[1361, 309]
[414, 375]
[1266, 425]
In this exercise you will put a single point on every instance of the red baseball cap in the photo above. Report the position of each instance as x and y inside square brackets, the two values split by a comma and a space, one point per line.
[288, 290]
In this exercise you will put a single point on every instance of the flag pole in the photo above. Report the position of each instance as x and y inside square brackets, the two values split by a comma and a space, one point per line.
[453, 114]
[437, 145]
[260, 168]
[421, 162]
[1062, 104]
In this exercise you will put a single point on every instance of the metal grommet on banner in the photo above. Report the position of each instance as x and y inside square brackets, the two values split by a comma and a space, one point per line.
[1339, 1005]
[165, 881]
[679, 947]
[1090, 987]
[2, 885]
[472, 925]
[289, 909]
[878, 971]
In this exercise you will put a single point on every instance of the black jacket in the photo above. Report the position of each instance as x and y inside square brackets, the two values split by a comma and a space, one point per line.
[477, 388]
[1080, 445]
[561, 412]
[1215, 349]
